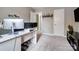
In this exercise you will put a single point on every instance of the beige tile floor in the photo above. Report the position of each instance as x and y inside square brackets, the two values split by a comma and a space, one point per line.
[51, 43]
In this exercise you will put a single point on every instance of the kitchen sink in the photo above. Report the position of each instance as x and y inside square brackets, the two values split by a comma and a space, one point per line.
[4, 31]
[1, 36]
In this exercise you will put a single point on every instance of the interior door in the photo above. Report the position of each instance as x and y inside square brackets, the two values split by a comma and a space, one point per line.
[36, 17]
[59, 22]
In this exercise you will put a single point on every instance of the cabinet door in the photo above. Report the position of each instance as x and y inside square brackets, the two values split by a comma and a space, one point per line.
[18, 44]
[8, 45]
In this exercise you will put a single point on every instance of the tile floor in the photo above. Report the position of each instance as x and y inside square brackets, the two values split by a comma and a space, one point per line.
[51, 43]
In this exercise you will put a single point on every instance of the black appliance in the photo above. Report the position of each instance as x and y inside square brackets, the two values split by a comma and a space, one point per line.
[73, 39]
[30, 25]
[76, 15]
[15, 30]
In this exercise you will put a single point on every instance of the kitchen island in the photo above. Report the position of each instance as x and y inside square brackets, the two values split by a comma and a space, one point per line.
[12, 42]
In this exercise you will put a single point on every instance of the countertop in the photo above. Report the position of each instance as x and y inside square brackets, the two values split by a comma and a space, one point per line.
[75, 35]
[9, 36]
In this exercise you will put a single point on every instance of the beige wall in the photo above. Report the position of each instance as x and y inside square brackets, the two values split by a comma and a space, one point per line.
[23, 12]
[76, 25]
[69, 17]
[47, 25]
[47, 22]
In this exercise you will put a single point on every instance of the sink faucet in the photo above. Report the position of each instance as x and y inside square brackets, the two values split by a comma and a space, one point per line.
[12, 28]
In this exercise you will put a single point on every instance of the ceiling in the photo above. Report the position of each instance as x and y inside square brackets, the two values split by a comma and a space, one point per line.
[49, 8]
[45, 8]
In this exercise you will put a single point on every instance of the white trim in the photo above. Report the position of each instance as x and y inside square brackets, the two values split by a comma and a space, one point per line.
[48, 34]
[54, 34]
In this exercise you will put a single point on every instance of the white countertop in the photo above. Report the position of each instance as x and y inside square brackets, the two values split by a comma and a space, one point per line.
[7, 37]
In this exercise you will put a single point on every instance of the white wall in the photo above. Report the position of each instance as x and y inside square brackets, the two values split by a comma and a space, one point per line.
[69, 18]
[23, 12]
[77, 26]
[47, 22]
[47, 25]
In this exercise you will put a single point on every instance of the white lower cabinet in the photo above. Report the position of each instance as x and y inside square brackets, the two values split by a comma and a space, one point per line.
[34, 40]
[8, 45]
[15, 44]
[18, 44]
[11, 45]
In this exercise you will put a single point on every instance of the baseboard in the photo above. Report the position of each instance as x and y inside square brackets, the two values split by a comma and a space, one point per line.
[48, 34]
[54, 34]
